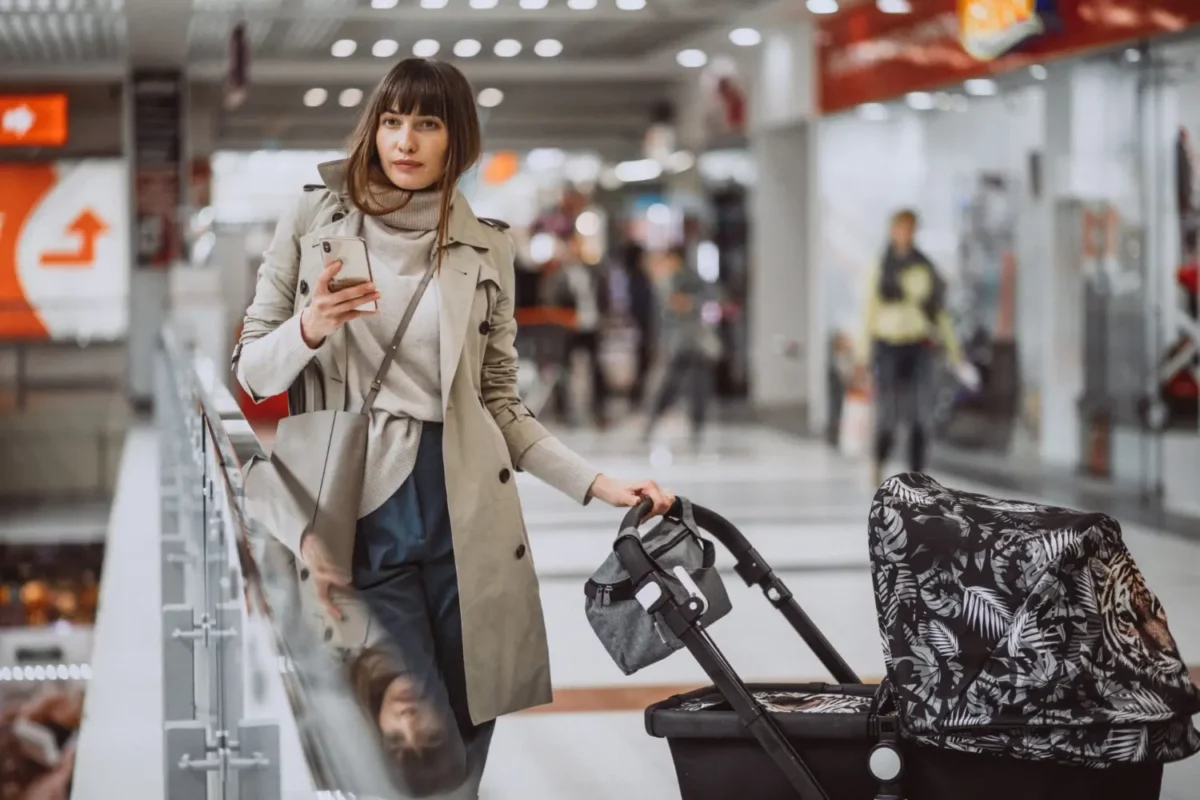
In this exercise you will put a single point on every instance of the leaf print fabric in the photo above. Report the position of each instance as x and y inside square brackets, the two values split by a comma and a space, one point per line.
[1023, 629]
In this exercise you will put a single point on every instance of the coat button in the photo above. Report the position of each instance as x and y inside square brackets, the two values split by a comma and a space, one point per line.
[328, 634]
[338, 216]
[304, 574]
[485, 327]
[520, 552]
[505, 475]
[303, 287]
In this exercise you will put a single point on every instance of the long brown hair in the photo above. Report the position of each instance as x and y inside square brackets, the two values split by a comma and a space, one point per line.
[416, 86]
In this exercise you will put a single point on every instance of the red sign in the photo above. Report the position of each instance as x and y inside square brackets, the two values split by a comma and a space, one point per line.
[34, 120]
[867, 55]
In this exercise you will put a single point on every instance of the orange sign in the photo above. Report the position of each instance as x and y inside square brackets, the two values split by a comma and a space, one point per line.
[64, 250]
[990, 28]
[33, 120]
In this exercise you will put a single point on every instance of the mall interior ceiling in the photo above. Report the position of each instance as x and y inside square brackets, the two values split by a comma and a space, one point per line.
[584, 74]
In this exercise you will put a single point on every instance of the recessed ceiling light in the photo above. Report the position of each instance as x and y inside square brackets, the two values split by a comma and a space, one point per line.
[507, 48]
[745, 37]
[581, 5]
[434, 3]
[631, 5]
[980, 87]
[426, 48]
[921, 101]
[548, 48]
[1133, 55]
[894, 6]
[873, 112]
[384, 4]
[349, 98]
[467, 48]
[315, 97]
[484, 3]
[385, 48]
[534, 5]
[343, 48]
[1039, 72]
[692, 58]
[490, 98]
[822, 6]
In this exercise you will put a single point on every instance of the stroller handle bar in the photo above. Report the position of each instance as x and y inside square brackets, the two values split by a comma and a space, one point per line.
[750, 567]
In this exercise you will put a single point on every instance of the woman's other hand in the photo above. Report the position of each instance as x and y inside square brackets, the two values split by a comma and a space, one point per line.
[331, 310]
[626, 494]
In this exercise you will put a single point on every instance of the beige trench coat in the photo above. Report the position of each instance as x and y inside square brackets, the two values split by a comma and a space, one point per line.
[486, 431]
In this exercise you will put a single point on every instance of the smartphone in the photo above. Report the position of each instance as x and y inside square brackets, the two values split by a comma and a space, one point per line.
[356, 265]
[38, 742]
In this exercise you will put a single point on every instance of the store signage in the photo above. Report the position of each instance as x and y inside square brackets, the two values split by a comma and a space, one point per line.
[988, 29]
[868, 56]
[64, 250]
[33, 120]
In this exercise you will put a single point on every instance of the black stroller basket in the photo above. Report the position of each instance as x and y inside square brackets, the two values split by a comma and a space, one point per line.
[821, 741]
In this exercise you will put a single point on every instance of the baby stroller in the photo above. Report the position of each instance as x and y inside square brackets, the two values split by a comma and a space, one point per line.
[1025, 659]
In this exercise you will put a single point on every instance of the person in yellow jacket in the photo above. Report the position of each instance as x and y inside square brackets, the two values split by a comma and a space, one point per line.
[903, 322]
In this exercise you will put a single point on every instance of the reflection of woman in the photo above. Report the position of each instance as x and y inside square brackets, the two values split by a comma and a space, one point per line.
[26, 773]
[904, 317]
[439, 558]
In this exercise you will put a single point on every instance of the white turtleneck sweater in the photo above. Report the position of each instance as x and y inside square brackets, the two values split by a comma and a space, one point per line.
[400, 246]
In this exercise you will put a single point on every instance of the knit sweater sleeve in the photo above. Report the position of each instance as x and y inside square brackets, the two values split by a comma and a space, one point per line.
[553, 463]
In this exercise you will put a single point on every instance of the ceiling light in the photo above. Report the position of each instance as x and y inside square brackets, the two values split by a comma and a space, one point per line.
[1039, 72]
[659, 214]
[534, 5]
[542, 247]
[581, 5]
[384, 4]
[1133, 55]
[490, 98]
[385, 48]
[631, 5]
[343, 48]
[691, 58]
[980, 87]
[426, 48]
[315, 97]
[545, 158]
[349, 98]
[548, 48]
[484, 3]
[822, 6]
[745, 37]
[467, 48]
[680, 161]
[894, 6]
[920, 101]
[507, 48]
[873, 112]
[647, 169]
[588, 223]
[433, 3]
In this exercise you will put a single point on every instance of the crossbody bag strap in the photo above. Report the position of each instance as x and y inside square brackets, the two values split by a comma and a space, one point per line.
[390, 357]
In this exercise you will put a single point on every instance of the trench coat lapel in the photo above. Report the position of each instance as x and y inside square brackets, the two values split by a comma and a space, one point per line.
[456, 285]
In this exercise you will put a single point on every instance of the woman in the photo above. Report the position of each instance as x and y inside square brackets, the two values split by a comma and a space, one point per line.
[904, 318]
[440, 557]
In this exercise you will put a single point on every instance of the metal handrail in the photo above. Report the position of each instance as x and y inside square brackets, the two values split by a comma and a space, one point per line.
[336, 759]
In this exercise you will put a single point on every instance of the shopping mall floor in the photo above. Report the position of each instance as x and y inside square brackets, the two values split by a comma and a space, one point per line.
[805, 509]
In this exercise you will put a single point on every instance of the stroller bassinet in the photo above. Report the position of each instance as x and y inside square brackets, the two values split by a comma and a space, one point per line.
[849, 741]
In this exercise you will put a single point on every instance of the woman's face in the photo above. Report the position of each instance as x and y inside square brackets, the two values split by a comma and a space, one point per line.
[412, 149]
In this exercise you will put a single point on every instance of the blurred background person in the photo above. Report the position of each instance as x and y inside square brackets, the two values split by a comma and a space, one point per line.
[640, 298]
[905, 320]
[687, 341]
[583, 287]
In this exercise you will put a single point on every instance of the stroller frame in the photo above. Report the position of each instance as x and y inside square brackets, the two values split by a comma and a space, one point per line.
[684, 621]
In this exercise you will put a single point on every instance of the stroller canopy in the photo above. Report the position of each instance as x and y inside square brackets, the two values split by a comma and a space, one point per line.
[1024, 629]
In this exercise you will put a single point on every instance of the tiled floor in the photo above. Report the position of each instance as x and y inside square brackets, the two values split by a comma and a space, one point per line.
[805, 509]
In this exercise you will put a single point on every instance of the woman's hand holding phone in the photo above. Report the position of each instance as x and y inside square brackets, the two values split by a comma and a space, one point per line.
[331, 310]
